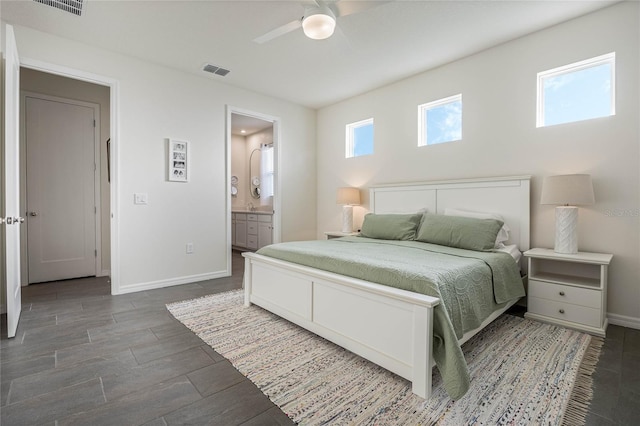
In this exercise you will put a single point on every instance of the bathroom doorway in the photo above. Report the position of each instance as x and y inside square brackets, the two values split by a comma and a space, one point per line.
[253, 180]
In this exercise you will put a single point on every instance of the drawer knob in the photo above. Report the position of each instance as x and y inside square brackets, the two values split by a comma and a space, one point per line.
[561, 311]
[562, 293]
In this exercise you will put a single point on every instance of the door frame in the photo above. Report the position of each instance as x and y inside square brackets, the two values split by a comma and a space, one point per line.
[114, 105]
[277, 199]
[97, 194]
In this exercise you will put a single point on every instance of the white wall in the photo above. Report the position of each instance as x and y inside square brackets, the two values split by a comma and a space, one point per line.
[500, 138]
[156, 103]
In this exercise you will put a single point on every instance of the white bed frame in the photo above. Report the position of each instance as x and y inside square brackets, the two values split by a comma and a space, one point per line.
[390, 327]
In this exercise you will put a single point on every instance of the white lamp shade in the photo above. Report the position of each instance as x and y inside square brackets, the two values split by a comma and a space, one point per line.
[568, 190]
[348, 196]
[319, 23]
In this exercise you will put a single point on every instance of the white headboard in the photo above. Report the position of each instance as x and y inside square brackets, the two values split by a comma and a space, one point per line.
[507, 196]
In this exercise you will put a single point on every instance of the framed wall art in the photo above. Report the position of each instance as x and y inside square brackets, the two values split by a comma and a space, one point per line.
[178, 161]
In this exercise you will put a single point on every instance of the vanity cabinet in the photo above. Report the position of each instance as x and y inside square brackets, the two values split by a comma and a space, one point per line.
[241, 229]
[251, 231]
[265, 230]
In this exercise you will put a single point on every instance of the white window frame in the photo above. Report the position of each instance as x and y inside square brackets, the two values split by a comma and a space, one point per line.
[422, 117]
[609, 58]
[350, 136]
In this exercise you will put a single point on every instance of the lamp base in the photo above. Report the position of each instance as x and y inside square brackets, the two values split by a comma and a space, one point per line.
[566, 230]
[347, 218]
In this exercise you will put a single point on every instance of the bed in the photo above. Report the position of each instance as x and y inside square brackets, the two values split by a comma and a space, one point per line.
[392, 327]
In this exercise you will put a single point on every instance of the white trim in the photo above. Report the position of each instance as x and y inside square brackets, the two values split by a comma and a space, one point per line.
[114, 99]
[422, 121]
[105, 273]
[609, 58]
[350, 136]
[624, 321]
[152, 285]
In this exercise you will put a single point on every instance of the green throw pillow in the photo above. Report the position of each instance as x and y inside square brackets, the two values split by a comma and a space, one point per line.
[390, 226]
[461, 232]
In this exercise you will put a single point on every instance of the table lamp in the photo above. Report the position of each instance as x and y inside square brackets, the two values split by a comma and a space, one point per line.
[567, 191]
[348, 197]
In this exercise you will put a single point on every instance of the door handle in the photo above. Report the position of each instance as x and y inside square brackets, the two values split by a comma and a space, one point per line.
[11, 220]
[33, 213]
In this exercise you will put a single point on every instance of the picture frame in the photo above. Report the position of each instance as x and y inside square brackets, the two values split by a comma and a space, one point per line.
[178, 161]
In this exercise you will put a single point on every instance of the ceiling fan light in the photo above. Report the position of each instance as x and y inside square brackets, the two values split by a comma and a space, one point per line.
[319, 24]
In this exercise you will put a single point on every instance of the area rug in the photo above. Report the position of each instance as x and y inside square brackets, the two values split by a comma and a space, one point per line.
[522, 371]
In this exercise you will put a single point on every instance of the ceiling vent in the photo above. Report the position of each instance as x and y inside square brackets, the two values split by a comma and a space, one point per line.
[215, 70]
[71, 6]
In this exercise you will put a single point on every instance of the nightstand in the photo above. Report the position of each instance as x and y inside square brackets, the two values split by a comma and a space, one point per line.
[568, 289]
[338, 234]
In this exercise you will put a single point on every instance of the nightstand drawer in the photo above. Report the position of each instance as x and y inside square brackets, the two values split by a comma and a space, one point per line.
[565, 293]
[564, 311]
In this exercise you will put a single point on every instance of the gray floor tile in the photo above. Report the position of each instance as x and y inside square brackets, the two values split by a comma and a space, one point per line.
[114, 329]
[160, 370]
[138, 407]
[54, 405]
[630, 372]
[22, 367]
[627, 411]
[232, 406]
[632, 341]
[79, 353]
[51, 380]
[146, 352]
[215, 378]
[272, 417]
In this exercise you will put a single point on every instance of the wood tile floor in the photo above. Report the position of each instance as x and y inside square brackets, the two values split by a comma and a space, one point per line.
[83, 357]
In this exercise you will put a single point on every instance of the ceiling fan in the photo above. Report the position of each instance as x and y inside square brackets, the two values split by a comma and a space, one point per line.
[319, 19]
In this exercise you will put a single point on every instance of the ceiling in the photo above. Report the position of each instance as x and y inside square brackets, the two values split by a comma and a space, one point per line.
[383, 44]
[245, 125]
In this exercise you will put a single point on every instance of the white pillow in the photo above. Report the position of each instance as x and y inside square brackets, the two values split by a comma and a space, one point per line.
[503, 233]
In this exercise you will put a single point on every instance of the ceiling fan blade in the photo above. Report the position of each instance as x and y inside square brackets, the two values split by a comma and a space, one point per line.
[286, 28]
[346, 7]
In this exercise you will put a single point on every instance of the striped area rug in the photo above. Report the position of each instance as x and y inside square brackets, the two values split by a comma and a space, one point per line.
[522, 371]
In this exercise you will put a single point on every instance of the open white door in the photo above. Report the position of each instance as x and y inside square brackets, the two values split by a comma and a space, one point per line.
[11, 215]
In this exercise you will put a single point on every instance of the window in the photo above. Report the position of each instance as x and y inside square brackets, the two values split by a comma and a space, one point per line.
[440, 121]
[576, 92]
[267, 173]
[359, 138]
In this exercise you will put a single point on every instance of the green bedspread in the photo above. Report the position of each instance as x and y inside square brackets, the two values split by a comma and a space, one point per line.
[470, 284]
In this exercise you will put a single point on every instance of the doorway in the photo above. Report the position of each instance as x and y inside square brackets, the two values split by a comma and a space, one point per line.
[253, 184]
[65, 126]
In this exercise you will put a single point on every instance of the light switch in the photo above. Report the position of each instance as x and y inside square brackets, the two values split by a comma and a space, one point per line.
[140, 198]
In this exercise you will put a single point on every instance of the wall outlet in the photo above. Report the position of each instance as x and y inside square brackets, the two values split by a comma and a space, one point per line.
[189, 248]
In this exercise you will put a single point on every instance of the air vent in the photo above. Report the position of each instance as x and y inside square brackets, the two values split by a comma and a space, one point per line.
[71, 6]
[215, 70]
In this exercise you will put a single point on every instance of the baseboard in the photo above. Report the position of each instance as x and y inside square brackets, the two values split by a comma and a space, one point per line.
[105, 273]
[151, 285]
[624, 321]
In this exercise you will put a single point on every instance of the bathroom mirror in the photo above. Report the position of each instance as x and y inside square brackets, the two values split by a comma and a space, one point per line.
[254, 185]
